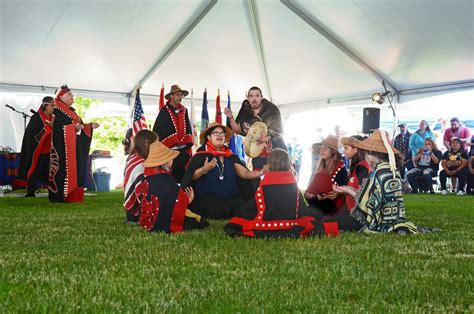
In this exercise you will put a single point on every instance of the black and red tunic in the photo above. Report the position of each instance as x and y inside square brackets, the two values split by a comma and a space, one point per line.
[36, 142]
[173, 127]
[361, 171]
[275, 212]
[164, 204]
[69, 155]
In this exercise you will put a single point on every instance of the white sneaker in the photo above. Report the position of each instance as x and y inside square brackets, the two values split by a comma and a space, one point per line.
[444, 192]
[460, 193]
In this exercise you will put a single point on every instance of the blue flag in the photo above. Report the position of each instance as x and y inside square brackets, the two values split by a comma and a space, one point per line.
[204, 113]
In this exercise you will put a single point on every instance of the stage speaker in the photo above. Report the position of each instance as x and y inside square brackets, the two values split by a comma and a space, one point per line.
[370, 120]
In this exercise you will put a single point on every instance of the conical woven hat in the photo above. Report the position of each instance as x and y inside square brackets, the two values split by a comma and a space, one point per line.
[159, 155]
[375, 144]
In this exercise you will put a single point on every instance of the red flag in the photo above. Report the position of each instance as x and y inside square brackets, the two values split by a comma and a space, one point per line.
[218, 118]
[162, 97]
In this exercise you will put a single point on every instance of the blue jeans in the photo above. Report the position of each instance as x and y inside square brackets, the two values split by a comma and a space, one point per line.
[426, 173]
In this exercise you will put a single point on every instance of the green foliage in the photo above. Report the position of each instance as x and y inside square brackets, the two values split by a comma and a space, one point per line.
[111, 132]
[82, 258]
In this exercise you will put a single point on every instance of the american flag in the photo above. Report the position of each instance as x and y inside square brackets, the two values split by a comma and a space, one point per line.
[139, 121]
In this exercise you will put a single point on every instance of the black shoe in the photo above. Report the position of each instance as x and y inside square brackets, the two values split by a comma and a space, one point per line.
[30, 195]
[432, 192]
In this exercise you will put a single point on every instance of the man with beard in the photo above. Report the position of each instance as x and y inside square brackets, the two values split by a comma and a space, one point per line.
[34, 161]
[256, 108]
[456, 131]
[174, 129]
[71, 140]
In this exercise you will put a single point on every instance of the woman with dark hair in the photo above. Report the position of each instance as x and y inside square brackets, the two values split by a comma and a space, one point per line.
[278, 209]
[331, 169]
[133, 174]
[454, 165]
[216, 175]
[359, 170]
[417, 140]
[379, 206]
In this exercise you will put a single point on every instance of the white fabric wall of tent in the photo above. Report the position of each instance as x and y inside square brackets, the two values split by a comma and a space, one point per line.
[305, 55]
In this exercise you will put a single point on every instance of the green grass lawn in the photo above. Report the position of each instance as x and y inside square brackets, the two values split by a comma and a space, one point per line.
[81, 257]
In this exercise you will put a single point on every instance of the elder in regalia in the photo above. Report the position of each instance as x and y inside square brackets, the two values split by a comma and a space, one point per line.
[34, 161]
[71, 140]
[221, 182]
[164, 206]
[174, 129]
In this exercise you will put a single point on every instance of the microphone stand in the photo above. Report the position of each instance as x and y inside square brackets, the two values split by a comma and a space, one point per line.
[21, 113]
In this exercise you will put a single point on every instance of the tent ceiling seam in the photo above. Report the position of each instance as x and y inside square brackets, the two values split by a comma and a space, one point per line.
[318, 26]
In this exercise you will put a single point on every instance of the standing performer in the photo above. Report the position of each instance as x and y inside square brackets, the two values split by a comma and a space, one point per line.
[34, 160]
[174, 129]
[256, 108]
[71, 140]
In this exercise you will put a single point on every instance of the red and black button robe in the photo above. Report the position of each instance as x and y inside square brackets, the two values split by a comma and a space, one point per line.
[174, 129]
[69, 155]
[164, 204]
[275, 212]
[35, 148]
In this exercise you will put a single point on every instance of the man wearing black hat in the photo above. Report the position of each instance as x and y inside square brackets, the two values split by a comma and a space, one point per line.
[174, 129]
[34, 161]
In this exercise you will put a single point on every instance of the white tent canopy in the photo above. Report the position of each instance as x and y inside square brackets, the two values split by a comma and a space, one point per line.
[298, 52]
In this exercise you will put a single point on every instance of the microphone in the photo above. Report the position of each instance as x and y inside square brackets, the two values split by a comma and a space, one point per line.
[32, 111]
[8, 106]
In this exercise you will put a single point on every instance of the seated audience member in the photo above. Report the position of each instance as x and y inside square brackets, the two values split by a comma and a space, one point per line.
[331, 169]
[470, 177]
[402, 144]
[359, 170]
[163, 203]
[127, 142]
[133, 174]
[278, 205]
[454, 164]
[379, 203]
[426, 166]
[214, 172]
[417, 140]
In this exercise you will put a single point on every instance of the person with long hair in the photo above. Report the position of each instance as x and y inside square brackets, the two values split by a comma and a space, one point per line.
[331, 169]
[426, 166]
[417, 140]
[164, 205]
[454, 165]
[359, 170]
[278, 209]
[380, 207]
[133, 174]
[220, 180]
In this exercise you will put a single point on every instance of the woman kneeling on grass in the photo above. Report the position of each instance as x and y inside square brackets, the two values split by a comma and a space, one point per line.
[359, 170]
[379, 202]
[331, 169]
[278, 209]
[134, 173]
[163, 203]
[221, 182]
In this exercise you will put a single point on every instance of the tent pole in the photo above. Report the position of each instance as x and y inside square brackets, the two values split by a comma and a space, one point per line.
[258, 38]
[319, 27]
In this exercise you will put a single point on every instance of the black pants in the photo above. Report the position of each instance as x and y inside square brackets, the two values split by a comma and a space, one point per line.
[344, 220]
[470, 183]
[40, 173]
[179, 164]
[460, 175]
[215, 206]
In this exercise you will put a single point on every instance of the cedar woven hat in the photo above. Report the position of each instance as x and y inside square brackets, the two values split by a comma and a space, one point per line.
[211, 127]
[159, 155]
[175, 89]
[349, 141]
[330, 141]
[375, 143]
